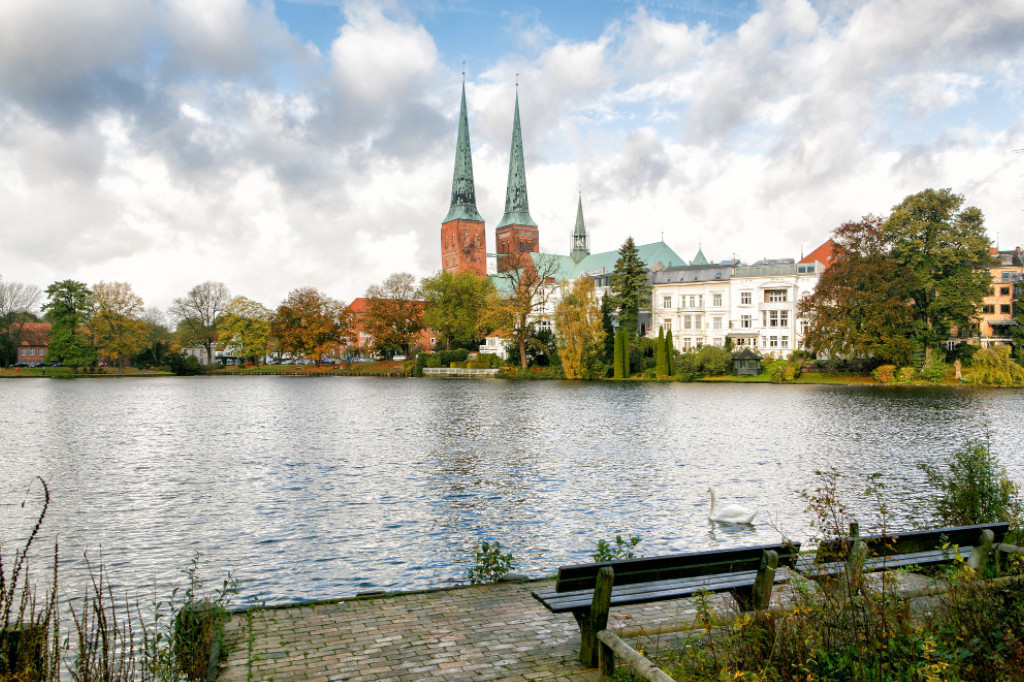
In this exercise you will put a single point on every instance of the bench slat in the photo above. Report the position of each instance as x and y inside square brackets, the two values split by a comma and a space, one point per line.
[905, 542]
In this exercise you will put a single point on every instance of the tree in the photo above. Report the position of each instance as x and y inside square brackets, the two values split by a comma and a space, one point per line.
[631, 290]
[578, 317]
[310, 324]
[607, 320]
[621, 355]
[117, 328]
[861, 305]
[945, 250]
[527, 290]
[670, 352]
[158, 340]
[198, 313]
[68, 310]
[394, 311]
[661, 359]
[459, 306]
[17, 304]
[246, 326]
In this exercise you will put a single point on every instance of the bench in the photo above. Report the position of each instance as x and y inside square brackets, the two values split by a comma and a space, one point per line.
[902, 549]
[589, 590]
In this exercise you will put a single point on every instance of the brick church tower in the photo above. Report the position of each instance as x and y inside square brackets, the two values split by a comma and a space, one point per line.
[463, 239]
[516, 235]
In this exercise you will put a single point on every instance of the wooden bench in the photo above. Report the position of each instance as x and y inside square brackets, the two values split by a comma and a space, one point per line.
[589, 590]
[902, 549]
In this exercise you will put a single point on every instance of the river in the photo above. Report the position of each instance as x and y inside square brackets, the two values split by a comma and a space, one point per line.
[323, 487]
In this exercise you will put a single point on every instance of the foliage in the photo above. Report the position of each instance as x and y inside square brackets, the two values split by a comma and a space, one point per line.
[661, 357]
[973, 488]
[245, 325]
[670, 353]
[631, 291]
[158, 340]
[68, 309]
[199, 314]
[490, 564]
[458, 306]
[860, 306]
[116, 321]
[310, 324]
[935, 371]
[994, 366]
[621, 369]
[393, 313]
[17, 304]
[905, 374]
[607, 318]
[623, 549]
[780, 371]
[884, 374]
[712, 361]
[578, 317]
[184, 365]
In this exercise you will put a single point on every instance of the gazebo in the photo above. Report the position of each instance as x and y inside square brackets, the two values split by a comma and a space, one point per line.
[746, 363]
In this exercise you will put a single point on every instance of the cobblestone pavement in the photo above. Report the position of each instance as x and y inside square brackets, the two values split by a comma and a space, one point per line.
[485, 632]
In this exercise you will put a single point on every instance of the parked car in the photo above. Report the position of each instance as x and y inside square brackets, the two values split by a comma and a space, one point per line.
[398, 357]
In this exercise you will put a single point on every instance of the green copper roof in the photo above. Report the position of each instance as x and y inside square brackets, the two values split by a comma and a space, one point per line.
[463, 191]
[699, 259]
[658, 252]
[580, 248]
[581, 230]
[517, 206]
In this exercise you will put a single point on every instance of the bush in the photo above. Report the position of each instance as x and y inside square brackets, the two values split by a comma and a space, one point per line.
[782, 370]
[713, 361]
[184, 365]
[884, 374]
[623, 549]
[490, 564]
[973, 488]
[935, 371]
[905, 374]
[995, 367]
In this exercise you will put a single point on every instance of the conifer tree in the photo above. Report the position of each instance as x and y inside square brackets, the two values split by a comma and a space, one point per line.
[669, 352]
[630, 288]
[660, 359]
[617, 356]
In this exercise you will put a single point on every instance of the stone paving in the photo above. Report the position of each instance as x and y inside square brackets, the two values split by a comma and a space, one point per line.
[484, 632]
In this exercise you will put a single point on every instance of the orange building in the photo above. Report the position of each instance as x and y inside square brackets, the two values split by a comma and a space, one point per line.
[34, 338]
[997, 319]
[362, 342]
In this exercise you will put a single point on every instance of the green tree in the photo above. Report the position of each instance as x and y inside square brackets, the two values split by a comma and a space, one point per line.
[661, 358]
[394, 313]
[631, 290]
[861, 306]
[607, 324]
[526, 290]
[158, 340]
[578, 317]
[199, 312]
[944, 248]
[459, 307]
[116, 321]
[246, 326]
[68, 310]
[670, 353]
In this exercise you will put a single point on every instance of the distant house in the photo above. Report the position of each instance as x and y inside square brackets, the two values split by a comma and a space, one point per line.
[362, 341]
[33, 340]
[746, 363]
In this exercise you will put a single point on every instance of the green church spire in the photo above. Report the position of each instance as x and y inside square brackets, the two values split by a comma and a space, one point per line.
[463, 190]
[517, 206]
[580, 247]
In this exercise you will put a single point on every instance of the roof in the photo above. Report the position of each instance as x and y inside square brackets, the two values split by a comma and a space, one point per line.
[655, 254]
[746, 354]
[517, 204]
[359, 305]
[34, 333]
[463, 190]
[824, 254]
[694, 273]
[699, 259]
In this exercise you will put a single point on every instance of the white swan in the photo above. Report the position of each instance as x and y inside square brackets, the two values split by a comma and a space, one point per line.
[731, 513]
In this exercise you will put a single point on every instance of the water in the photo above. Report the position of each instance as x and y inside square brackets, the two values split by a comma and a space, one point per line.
[312, 488]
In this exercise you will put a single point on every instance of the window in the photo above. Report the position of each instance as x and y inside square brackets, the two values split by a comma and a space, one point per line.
[666, 325]
[696, 321]
[716, 323]
[740, 342]
[785, 342]
[991, 291]
[805, 326]
[686, 322]
[687, 343]
[24, 352]
[718, 342]
[775, 296]
[716, 300]
[1005, 309]
[988, 309]
[776, 318]
[1004, 291]
[745, 321]
[745, 298]
[773, 342]
[666, 302]
[32, 351]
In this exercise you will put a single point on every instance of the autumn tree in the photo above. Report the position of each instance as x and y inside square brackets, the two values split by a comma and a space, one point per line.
[159, 339]
[68, 310]
[526, 291]
[394, 311]
[246, 326]
[578, 318]
[944, 249]
[631, 290]
[18, 303]
[310, 324]
[117, 328]
[459, 306]
[198, 313]
[861, 306]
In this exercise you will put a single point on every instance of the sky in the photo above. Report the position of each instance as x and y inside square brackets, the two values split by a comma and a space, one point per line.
[276, 145]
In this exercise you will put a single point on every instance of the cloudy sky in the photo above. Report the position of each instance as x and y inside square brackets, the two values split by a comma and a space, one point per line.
[272, 145]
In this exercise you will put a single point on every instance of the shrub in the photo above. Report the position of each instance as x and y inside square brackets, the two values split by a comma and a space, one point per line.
[713, 361]
[623, 549]
[782, 370]
[905, 374]
[935, 371]
[490, 563]
[884, 374]
[973, 488]
[994, 366]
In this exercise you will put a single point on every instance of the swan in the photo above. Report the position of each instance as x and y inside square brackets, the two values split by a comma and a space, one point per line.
[731, 513]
